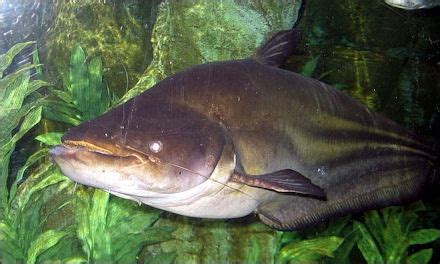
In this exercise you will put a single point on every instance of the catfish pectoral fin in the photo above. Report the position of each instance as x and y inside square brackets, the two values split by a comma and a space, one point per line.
[282, 181]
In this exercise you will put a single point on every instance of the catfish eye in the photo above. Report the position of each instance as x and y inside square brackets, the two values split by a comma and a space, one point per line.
[155, 146]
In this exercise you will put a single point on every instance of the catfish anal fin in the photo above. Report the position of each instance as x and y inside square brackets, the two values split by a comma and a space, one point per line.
[287, 180]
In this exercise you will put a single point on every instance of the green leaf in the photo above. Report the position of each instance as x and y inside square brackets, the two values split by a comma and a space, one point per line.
[15, 87]
[395, 237]
[310, 67]
[342, 254]
[10, 82]
[287, 237]
[340, 86]
[61, 117]
[98, 216]
[9, 121]
[163, 258]
[91, 216]
[50, 138]
[367, 245]
[7, 58]
[43, 242]
[75, 260]
[29, 162]
[63, 95]
[311, 249]
[30, 120]
[375, 225]
[35, 85]
[36, 60]
[78, 78]
[51, 177]
[423, 236]
[325, 74]
[61, 112]
[420, 257]
[65, 250]
[99, 99]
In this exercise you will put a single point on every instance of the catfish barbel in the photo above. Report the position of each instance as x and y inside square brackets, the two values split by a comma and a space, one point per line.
[227, 139]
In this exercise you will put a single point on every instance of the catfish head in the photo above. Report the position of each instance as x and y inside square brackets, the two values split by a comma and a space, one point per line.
[140, 150]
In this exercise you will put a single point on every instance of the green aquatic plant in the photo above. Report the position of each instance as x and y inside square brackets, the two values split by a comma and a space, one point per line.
[386, 235]
[22, 237]
[325, 243]
[33, 226]
[84, 96]
[310, 67]
[115, 229]
[108, 229]
[15, 112]
[308, 250]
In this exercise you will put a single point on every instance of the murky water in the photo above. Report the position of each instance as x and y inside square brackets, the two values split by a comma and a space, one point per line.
[387, 58]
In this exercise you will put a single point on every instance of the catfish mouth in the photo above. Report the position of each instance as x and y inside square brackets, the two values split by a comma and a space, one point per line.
[85, 153]
[69, 144]
[106, 151]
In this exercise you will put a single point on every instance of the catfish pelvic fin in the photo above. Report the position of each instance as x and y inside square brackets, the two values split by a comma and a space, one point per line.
[287, 180]
[275, 51]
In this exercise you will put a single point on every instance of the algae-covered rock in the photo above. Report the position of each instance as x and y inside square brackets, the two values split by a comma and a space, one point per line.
[118, 31]
[381, 57]
[188, 33]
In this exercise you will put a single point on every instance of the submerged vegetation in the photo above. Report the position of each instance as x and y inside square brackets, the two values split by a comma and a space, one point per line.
[387, 235]
[42, 212]
[21, 228]
[46, 217]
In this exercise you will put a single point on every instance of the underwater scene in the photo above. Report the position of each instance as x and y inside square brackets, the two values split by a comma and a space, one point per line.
[271, 153]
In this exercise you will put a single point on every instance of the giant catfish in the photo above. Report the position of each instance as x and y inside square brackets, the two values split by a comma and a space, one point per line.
[226, 139]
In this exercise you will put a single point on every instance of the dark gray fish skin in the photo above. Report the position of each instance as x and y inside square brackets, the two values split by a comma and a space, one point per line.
[278, 119]
[272, 120]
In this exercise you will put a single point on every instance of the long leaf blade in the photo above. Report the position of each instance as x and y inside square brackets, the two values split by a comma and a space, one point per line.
[6, 59]
[367, 245]
[423, 236]
[311, 249]
[420, 257]
[43, 242]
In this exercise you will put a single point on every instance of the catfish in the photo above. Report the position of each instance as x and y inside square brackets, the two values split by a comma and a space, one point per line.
[227, 139]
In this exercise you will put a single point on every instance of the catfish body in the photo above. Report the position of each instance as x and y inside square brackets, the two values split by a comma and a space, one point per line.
[229, 134]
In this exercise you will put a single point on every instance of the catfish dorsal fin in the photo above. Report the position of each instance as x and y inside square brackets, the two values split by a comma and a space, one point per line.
[275, 51]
